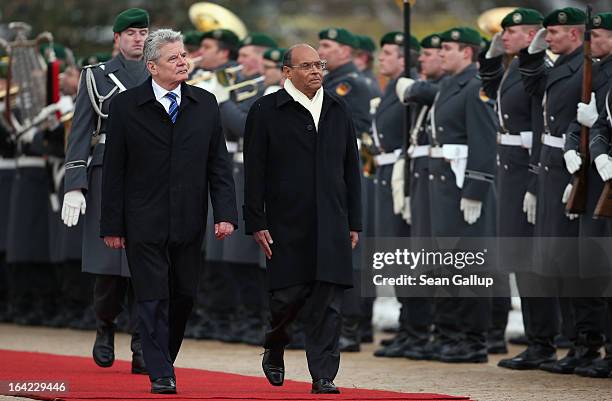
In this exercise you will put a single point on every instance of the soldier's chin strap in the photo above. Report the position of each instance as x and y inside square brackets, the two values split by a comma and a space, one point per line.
[95, 97]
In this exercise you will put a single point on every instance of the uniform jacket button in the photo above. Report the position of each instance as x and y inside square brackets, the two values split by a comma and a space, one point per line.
[545, 168]
[375, 181]
[416, 175]
[505, 167]
[442, 178]
[309, 127]
[431, 177]
[384, 182]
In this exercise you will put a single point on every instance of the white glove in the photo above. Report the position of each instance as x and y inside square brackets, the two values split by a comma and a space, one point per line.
[397, 185]
[471, 210]
[402, 85]
[406, 213]
[587, 113]
[538, 43]
[74, 204]
[604, 167]
[573, 161]
[566, 194]
[529, 207]
[221, 93]
[496, 48]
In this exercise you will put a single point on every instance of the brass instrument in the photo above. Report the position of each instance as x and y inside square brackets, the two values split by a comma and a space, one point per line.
[228, 78]
[490, 21]
[209, 16]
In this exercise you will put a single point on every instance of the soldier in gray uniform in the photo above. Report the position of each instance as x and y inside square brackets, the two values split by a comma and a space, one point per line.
[462, 193]
[411, 197]
[336, 46]
[82, 182]
[594, 269]
[519, 115]
[240, 254]
[364, 60]
[388, 136]
[600, 150]
[561, 88]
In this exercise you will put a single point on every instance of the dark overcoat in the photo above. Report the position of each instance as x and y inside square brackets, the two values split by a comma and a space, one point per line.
[157, 174]
[303, 185]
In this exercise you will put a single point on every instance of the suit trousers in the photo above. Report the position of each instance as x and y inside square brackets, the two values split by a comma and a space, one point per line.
[321, 302]
[165, 279]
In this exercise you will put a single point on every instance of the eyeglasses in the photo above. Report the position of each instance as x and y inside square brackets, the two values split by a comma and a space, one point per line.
[318, 65]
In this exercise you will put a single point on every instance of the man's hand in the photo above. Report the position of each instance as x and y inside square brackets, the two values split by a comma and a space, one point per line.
[397, 185]
[587, 114]
[573, 161]
[402, 85]
[223, 230]
[566, 195]
[496, 48]
[604, 167]
[538, 43]
[354, 239]
[406, 212]
[529, 207]
[115, 242]
[264, 240]
[74, 204]
[471, 210]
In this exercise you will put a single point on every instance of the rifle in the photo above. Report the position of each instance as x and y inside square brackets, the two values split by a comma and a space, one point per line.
[604, 204]
[578, 197]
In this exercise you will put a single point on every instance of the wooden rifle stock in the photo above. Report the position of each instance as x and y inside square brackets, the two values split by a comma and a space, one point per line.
[578, 197]
[604, 204]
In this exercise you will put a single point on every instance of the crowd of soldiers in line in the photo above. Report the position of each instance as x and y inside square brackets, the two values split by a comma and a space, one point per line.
[518, 112]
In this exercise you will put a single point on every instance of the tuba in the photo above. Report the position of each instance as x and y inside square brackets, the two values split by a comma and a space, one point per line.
[228, 78]
[490, 20]
[208, 16]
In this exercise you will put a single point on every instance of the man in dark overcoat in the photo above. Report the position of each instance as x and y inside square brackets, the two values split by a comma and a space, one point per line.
[164, 152]
[303, 206]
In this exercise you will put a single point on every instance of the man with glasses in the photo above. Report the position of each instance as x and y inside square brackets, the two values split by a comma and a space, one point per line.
[303, 208]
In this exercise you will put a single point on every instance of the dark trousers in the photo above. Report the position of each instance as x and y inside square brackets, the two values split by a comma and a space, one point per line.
[541, 315]
[322, 320]
[111, 295]
[222, 298]
[165, 280]
[463, 319]
[416, 316]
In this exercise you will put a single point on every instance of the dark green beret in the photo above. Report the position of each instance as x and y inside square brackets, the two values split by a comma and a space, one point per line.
[222, 35]
[131, 18]
[565, 16]
[433, 41]
[341, 36]
[602, 21]
[258, 39]
[366, 43]
[192, 38]
[397, 38]
[275, 55]
[522, 16]
[462, 34]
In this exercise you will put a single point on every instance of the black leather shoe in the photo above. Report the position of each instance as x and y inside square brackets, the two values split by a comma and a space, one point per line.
[578, 357]
[104, 346]
[349, 344]
[531, 358]
[324, 386]
[464, 352]
[164, 385]
[600, 368]
[430, 351]
[396, 349]
[274, 366]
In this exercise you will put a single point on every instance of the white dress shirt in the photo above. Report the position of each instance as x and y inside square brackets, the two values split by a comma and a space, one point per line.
[160, 95]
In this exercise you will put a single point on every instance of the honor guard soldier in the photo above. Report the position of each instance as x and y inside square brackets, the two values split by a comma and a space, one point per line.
[273, 69]
[344, 80]
[519, 115]
[364, 60]
[217, 297]
[462, 193]
[560, 87]
[241, 255]
[388, 136]
[416, 314]
[83, 181]
[600, 150]
[594, 268]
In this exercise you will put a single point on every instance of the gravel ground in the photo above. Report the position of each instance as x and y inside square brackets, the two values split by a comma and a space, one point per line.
[483, 382]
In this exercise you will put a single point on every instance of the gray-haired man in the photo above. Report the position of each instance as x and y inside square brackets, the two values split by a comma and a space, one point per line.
[165, 151]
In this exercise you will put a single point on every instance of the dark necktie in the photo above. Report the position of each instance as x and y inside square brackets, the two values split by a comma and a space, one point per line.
[173, 110]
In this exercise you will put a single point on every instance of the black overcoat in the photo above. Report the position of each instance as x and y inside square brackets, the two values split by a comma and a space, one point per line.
[157, 174]
[303, 185]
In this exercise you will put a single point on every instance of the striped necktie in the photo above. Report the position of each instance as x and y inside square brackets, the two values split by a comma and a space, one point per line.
[173, 110]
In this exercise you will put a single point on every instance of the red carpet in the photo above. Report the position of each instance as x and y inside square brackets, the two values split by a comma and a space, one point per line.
[86, 381]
